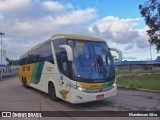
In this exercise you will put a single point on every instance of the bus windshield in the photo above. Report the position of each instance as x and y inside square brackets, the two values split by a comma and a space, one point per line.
[91, 61]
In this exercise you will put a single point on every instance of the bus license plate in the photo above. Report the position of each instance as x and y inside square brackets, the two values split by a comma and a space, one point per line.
[100, 96]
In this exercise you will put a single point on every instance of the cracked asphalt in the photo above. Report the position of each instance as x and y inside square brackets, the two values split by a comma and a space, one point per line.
[14, 97]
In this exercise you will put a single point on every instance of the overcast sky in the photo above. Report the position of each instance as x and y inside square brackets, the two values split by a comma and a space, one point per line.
[29, 22]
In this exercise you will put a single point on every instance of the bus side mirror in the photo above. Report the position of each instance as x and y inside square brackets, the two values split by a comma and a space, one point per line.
[119, 53]
[68, 51]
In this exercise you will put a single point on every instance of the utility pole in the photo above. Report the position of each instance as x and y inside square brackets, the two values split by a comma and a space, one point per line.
[151, 58]
[1, 54]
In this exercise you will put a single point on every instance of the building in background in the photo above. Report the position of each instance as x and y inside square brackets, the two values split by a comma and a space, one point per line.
[3, 63]
[138, 65]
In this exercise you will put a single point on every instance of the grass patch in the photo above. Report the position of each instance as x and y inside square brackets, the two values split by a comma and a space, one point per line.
[150, 82]
[138, 71]
[123, 72]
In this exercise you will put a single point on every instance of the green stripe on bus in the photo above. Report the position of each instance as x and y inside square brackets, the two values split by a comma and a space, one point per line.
[109, 83]
[37, 72]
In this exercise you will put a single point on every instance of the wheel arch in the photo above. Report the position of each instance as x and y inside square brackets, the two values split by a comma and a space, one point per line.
[51, 82]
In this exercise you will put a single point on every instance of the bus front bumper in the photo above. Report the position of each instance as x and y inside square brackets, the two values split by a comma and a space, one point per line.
[82, 97]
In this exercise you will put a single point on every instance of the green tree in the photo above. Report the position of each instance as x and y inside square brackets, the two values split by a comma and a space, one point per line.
[12, 62]
[150, 10]
[8, 61]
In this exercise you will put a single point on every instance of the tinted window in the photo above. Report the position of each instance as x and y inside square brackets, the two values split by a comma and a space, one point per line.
[23, 59]
[61, 55]
[47, 52]
[42, 53]
[58, 42]
[64, 63]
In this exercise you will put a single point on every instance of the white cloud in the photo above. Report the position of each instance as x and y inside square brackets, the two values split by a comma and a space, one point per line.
[76, 17]
[37, 22]
[53, 5]
[121, 31]
[129, 46]
[142, 40]
[45, 25]
[29, 22]
[56, 6]
[115, 29]
[9, 5]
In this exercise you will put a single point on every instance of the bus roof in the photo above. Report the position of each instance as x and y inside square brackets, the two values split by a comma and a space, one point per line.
[75, 36]
[69, 36]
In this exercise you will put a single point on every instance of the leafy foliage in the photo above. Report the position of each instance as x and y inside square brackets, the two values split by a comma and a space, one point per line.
[151, 13]
[12, 62]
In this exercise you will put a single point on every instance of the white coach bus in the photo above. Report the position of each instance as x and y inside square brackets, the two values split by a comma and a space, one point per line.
[71, 67]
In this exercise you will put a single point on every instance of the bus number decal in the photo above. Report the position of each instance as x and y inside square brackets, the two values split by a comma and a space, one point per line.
[26, 68]
[49, 69]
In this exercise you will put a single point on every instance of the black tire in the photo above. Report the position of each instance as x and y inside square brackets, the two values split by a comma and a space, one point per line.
[25, 83]
[52, 92]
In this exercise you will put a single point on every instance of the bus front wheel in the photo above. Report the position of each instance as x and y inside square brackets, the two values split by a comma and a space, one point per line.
[52, 92]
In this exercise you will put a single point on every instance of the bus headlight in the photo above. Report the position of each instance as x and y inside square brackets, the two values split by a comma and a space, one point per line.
[80, 88]
[115, 82]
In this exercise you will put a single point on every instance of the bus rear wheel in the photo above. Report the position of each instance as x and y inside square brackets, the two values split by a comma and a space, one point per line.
[52, 92]
[25, 83]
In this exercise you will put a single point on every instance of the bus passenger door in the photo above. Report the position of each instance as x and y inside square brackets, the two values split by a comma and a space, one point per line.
[64, 76]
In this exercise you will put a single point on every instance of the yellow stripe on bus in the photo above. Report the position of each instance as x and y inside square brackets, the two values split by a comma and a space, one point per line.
[90, 85]
[26, 71]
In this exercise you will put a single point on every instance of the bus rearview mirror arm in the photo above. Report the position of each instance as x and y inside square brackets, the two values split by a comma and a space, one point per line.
[119, 53]
[69, 51]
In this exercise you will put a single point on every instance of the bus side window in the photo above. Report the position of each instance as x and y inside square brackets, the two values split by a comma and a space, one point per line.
[47, 53]
[64, 63]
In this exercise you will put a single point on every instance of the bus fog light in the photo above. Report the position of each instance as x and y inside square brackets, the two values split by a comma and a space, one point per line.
[79, 97]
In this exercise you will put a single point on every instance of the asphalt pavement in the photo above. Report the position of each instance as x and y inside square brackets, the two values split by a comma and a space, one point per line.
[14, 97]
